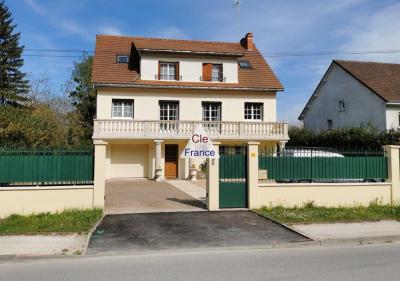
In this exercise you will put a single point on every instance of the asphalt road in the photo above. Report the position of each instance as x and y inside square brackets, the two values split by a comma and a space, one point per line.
[367, 262]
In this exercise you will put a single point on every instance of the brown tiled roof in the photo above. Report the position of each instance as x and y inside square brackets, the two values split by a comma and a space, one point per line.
[381, 78]
[107, 71]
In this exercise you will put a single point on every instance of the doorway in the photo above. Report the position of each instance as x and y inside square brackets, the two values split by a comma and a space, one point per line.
[171, 161]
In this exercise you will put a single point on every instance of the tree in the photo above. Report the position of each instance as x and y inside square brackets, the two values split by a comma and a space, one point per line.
[13, 85]
[84, 96]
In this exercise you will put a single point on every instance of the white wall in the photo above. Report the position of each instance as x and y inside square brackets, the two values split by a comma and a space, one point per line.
[362, 105]
[146, 103]
[189, 68]
[392, 116]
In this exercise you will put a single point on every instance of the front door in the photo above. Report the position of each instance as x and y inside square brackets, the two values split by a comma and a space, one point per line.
[171, 161]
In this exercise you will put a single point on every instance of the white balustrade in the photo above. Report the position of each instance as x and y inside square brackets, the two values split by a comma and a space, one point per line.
[132, 129]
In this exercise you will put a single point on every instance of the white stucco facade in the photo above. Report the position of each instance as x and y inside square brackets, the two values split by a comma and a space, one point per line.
[146, 103]
[190, 69]
[361, 105]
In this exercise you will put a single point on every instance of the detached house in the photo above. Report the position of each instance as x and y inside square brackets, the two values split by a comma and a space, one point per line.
[153, 93]
[352, 93]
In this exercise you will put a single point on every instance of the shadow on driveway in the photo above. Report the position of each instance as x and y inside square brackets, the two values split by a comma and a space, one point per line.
[188, 230]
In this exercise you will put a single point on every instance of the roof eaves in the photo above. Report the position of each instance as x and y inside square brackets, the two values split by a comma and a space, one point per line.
[153, 86]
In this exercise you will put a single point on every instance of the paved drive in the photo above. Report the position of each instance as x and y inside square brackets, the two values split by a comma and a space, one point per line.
[143, 196]
[156, 231]
[356, 263]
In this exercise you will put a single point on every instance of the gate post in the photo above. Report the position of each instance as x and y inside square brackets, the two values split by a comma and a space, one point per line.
[99, 173]
[392, 152]
[252, 173]
[213, 181]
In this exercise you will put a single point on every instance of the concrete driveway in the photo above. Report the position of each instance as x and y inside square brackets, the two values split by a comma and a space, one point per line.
[144, 196]
[187, 230]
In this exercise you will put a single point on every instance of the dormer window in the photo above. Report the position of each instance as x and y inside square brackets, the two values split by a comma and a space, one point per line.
[168, 71]
[245, 64]
[122, 59]
[212, 72]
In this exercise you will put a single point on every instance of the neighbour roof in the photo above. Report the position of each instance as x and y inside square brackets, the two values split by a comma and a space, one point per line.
[107, 71]
[381, 78]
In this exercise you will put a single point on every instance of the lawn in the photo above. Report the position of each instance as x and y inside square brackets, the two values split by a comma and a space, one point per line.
[68, 221]
[310, 213]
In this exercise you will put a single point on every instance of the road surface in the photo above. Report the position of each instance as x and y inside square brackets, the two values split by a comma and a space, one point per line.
[367, 262]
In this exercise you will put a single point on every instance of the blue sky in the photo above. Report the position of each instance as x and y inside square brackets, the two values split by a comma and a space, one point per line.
[278, 26]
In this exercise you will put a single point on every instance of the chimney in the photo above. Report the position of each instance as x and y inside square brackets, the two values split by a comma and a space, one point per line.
[247, 42]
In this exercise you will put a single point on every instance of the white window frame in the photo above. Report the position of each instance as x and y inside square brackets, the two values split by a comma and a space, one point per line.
[216, 72]
[208, 108]
[329, 124]
[251, 110]
[124, 105]
[342, 105]
[170, 70]
[169, 107]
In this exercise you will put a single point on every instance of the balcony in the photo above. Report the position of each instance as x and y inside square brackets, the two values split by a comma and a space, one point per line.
[132, 129]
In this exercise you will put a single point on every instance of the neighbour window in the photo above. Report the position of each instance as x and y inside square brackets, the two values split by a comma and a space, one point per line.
[342, 105]
[330, 124]
[212, 72]
[168, 71]
[253, 111]
[122, 108]
[211, 111]
[169, 110]
[122, 59]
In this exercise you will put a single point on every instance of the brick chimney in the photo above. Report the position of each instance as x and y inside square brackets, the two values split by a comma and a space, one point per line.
[247, 42]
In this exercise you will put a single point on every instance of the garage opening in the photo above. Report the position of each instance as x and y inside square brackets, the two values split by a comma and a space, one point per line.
[129, 161]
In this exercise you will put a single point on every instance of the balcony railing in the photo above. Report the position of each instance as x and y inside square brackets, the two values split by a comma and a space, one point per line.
[132, 129]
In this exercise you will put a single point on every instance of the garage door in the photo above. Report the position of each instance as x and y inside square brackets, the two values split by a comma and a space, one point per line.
[129, 161]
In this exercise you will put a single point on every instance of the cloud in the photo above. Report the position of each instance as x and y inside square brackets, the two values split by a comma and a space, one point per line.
[376, 32]
[109, 29]
[169, 32]
[35, 7]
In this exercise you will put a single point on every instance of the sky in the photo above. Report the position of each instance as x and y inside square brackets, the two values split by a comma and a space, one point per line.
[278, 26]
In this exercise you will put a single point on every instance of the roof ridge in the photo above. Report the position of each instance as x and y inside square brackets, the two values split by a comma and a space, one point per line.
[169, 39]
[371, 62]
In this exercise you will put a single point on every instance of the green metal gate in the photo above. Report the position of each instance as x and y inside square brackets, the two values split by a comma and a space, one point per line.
[233, 177]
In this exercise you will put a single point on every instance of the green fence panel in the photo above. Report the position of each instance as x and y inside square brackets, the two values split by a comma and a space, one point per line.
[46, 166]
[325, 168]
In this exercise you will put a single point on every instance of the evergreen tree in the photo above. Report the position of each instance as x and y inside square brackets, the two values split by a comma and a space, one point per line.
[84, 96]
[13, 85]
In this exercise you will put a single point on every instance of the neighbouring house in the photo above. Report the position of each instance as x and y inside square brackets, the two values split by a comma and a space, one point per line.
[153, 93]
[352, 93]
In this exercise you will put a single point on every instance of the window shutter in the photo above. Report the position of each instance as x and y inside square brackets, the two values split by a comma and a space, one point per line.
[177, 71]
[159, 70]
[207, 69]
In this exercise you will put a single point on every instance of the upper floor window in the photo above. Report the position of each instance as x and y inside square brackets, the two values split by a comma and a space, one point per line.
[122, 108]
[253, 111]
[211, 111]
[342, 105]
[169, 110]
[330, 124]
[212, 72]
[122, 59]
[168, 71]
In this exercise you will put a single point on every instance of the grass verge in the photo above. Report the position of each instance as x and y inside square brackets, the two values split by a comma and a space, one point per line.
[310, 213]
[68, 221]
